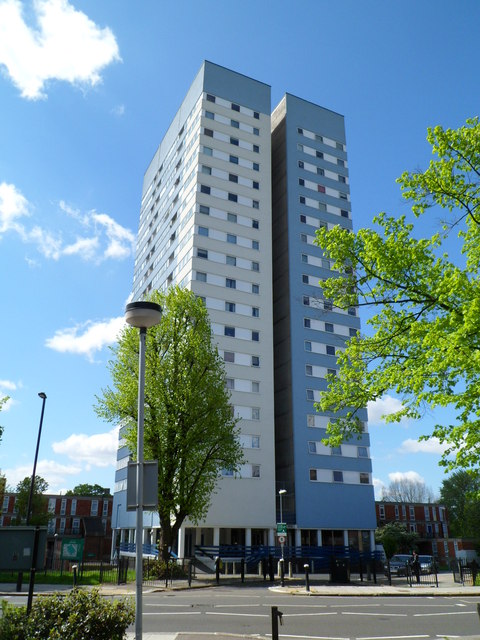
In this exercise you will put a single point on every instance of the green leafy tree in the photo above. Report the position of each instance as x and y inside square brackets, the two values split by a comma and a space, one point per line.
[88, 490]
[424, 338]
[189, 426]
[39, 514]
[396, 539]
[460, 493]
[2, 402]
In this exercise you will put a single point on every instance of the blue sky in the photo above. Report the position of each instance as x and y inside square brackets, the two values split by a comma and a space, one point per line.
[87, 90]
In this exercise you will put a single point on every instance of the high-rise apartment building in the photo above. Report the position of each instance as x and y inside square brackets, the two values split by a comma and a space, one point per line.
[206, 224]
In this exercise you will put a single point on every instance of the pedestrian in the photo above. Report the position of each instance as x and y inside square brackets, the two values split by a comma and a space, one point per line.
[415, 565]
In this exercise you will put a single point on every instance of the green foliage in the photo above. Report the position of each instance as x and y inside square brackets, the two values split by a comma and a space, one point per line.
[460, 493]
[13, 622]
[424, 342]
[80, 615]
[160, 569]
[396, 539]
[189, 427]
[88, 490]
[39, 515]
[2, 402]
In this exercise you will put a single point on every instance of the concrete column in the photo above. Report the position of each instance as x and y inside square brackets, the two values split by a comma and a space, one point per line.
[181, 542]
[216, 536]
[298, 537]
[271, 537]
[248, 537]
[345, 537]
[372, 540]
[319, 537]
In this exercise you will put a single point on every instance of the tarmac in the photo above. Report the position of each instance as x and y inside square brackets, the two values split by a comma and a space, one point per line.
[293, 587]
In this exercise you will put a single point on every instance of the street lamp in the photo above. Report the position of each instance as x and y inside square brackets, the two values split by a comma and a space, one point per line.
[142, 315]
[281, 493]
[43, 396]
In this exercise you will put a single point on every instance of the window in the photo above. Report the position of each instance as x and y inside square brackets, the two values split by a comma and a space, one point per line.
[204, 209]
[303, 237]
[255, 387]
[232, 217]
[256, 148]
[327, 305]
[352, 332]
[255, 184]
[234, 159]
[76, 525]
[233, 197]
[310, 420]
[201, 276]
[231, 260]
[336, 451]
[230, 383]
[255, 361]
[205, 189]
[231, 238]
[255, 288]
[304, 258]
[318, 138]
[313, 475]
[306, 301]
[255, 312]
[228, 356]
[301, 182]
[227, 473]
[307, 323]
[340, 162]
[255, 413]
[234, 141]
[338, 476]
[303, 218]
[331, 372]
[73, 507]
[203, 231]
[208, 151]
[256, 131]
[255, 266]
[300, 131]
[329, 327]
[255, 204]
[319, 154]
[255, 224]
[230, 283]
[94, 508]
[344, 213]
[210, 115]
[255, 336]
[232, 177]
[255, 471]
[299, 147]
[63, 506]
[339, 146]
[300, 164]
[302, 199]
[235, 107]
[229, 331]
[365, 479]
[105, 508]
[320, 188]
[342, 179]
[412, 513]
[312, 447]
[206, 170]
[210, 98]
[230, 306]
[320, 171]
[208, 132]
[308, 370]
[256, 166]
[255, 245]
[256, 115]
[305, 279]
[235, 124]
[202, 253]
[330, 349]
[343, 196]
[308, 345]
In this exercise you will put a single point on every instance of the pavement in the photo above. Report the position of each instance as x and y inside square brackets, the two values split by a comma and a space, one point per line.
[293, 587]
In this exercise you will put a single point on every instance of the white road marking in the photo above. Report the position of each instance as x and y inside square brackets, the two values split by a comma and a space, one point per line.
[444, 613]
[244, 615]
[364, 613]
[174, 613]
[390, 637]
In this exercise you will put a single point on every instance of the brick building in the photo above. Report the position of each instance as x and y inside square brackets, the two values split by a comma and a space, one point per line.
[87, 517]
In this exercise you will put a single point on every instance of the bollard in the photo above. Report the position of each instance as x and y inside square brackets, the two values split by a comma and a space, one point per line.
[217, 569]
[290, 570]
[282, 572]
[307, 578]
[75, 567]
[276, 615]
[270, 568]
[242, 569]
[190, 573]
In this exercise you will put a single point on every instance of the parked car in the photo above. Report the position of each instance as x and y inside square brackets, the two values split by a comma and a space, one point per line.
[398, 564]
[426, 564]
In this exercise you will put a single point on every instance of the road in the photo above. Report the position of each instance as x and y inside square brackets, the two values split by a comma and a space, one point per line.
[248, 611]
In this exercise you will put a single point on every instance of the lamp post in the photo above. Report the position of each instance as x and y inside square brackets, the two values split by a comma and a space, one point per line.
[43, 396]
[141, 315]
[281, 494]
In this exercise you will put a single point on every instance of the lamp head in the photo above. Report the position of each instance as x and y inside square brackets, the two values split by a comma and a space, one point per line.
[282, 491]
[42, 395]
[143, 314]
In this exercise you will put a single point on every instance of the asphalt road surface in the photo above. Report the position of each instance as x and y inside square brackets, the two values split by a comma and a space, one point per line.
[311, 617]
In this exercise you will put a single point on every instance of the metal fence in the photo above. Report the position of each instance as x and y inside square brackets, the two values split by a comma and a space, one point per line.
[464, 572]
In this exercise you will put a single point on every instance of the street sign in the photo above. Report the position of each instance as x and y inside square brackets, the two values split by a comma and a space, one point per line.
[281, 528]
[281, 539]
[72, 549]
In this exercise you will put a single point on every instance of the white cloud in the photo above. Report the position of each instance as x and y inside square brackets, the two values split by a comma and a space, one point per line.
[411, 476]
[105, 239]
[88, 338]
[428, 446]
[51, 471]
[378, 487]
[6, 388]
[64, 45]
[98, 450]
[119, 110]
[13, 206]
[384, 406]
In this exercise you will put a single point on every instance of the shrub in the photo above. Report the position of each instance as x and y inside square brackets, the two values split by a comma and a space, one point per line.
[80, 615]
[159, 569]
